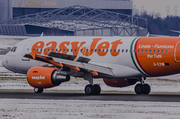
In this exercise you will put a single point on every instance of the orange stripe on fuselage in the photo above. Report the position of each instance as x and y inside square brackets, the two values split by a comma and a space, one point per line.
[160, 62]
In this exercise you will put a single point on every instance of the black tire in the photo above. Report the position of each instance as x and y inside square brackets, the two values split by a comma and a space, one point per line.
[89, 89]
[97, 89]
[147, 89]
[68, 78]
[138, 89]
[38, 90]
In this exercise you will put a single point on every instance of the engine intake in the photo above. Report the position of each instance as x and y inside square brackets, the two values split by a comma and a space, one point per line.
[119, 82]
[45, 77]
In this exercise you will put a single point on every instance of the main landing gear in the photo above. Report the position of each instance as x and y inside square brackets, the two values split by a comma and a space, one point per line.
[92, 89]
[142, 88]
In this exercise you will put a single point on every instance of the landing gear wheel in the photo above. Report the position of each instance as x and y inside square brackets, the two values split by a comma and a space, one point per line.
[142, 89]
[147, 89]
[92, 89]
[89, 89]
[97, 89]
[38, 90]
[138, 89]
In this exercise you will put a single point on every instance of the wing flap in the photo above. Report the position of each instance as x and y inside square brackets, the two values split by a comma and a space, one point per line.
[86, 66]
[67, 61]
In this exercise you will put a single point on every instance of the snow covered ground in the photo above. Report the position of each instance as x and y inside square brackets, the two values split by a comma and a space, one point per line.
[158, 85]
[86, 109]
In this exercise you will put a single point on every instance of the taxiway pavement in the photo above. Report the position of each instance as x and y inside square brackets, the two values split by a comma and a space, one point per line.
[82, 96]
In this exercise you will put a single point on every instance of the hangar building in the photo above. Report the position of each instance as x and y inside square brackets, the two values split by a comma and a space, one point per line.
[15, 8]
[70, 18]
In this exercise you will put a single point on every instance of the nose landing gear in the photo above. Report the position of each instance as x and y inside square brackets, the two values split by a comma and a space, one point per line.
[38, 90]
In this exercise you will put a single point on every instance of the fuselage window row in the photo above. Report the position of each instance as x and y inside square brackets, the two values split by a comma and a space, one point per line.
[99, 50]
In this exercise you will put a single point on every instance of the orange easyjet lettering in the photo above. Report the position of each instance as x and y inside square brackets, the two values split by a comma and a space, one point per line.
[76, 48]
[103, 45]
[63, 47]
[114, 47]
[36, 46]
[86, 51]
[49, 49]
[89, 52]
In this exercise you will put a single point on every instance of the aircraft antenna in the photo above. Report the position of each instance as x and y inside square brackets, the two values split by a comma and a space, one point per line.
[147, 35]
[42, 34]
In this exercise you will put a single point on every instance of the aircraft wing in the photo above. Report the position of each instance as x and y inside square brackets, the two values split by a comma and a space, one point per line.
[61, 60]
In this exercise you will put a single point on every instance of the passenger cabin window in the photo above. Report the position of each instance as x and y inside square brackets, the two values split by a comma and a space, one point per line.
[138, 50]
[122, 50]
[150, 51]
[158, 51]
[146, 51]
[91, 50]
[166, 51]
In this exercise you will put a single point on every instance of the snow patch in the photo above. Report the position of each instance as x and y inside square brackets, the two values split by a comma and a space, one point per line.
[86, 109]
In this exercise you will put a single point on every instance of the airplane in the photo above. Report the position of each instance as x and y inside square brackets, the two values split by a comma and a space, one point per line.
[120, 61]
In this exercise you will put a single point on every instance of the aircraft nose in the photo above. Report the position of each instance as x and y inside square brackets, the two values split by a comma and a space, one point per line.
[4, 61]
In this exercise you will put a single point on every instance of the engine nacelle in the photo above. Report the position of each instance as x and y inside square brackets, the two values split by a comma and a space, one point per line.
[45, 77]
[119, 82]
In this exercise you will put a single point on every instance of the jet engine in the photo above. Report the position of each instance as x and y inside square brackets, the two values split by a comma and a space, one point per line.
[119, 82]
[45, 77]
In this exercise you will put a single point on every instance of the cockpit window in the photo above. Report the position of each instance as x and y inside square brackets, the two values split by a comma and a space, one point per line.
[13, 49]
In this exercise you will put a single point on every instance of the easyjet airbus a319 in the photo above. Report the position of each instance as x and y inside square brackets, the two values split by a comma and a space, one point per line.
[119, 61]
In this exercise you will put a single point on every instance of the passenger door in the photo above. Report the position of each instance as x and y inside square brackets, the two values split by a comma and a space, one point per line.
[26, 50]
[177, 52]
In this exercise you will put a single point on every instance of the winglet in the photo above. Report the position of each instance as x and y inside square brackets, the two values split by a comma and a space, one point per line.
[33, 55]
[93, 72]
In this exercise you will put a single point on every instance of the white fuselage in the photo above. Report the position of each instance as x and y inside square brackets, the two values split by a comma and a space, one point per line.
[119, 60]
